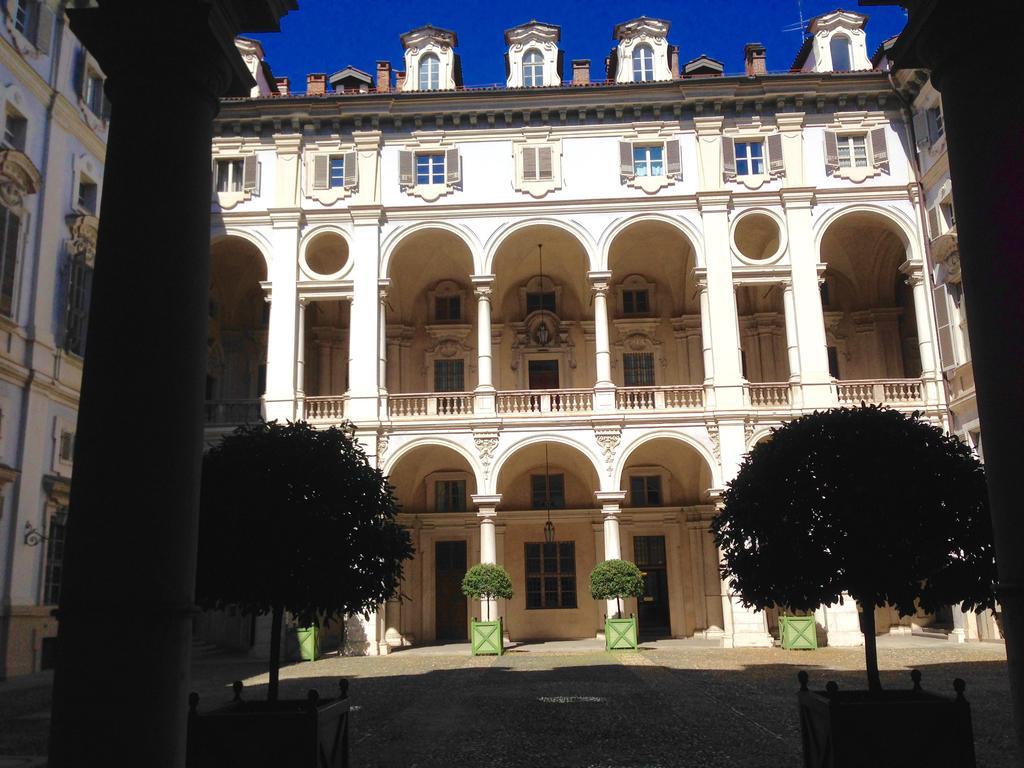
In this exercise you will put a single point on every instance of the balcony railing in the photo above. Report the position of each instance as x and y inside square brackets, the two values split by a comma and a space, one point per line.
[421, 406]
[530, 401]
[890, 391]
[769, 395]
[321, 409]
[222, 412]
[683, 398]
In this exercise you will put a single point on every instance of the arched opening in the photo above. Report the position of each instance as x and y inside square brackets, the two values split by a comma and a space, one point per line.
[870, 319]
[431, 322]
[430, 72]
[760, 311]
[666, 483]
[239, 317]
[326, 332]
[540, 305]
[541, 482]
[533, 69]
[433, 484]
[643, 63]
[654, 311]
[839, 46]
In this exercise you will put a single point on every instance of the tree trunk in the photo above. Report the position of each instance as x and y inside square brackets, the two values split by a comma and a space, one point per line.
[275, 651]
[867, 626]
[618, 605]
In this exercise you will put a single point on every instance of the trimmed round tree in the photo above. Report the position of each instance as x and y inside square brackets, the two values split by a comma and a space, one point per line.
[295, 519]
[865, 503]
[487, 581]
[615, 580]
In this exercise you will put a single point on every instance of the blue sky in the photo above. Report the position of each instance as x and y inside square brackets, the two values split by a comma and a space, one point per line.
[327, 35]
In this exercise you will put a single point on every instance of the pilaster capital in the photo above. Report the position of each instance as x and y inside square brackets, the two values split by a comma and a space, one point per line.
[366, 215]
[611, 501]
[482, 285]
[367, 141]
[383, 286]
[714, 201]
[486, 503]
[914, 270]
[795, 198]
[710, 125]
[288, 143]
[600, 281]
[285, 218]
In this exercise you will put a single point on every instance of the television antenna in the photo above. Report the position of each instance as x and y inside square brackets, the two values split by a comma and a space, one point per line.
[800, 26]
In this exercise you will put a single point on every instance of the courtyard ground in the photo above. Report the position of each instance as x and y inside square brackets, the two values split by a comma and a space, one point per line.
[570, 704]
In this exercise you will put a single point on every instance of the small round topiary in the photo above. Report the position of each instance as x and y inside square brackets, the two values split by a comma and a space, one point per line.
[487, 581]
[616, 579]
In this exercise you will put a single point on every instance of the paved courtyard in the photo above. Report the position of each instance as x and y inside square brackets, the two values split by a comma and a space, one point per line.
[670, 704]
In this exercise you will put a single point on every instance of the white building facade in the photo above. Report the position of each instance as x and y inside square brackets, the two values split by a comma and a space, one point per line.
[575, 304]
[53, 113]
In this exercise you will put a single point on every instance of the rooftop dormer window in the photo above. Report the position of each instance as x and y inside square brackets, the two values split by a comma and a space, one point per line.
[643, 64]
[835, 42]
[533, 69]
[430, 72]
[840, 50]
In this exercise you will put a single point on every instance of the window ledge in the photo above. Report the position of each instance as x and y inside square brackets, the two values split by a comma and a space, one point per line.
[94, 121]
[228, 200]
[25, 46]
[538, 188]
[856, 175]
[754, 180]
[331, 195]
[650, 184]
[429, 192]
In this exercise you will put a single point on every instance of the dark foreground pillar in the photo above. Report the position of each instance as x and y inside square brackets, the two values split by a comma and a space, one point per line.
[120, 691]
[981, 103]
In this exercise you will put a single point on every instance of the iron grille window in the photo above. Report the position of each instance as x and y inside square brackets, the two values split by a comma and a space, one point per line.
[10, 236]
[54, 557]
[551, 575]
[77, 318]
[447, 308]
[649, 550]
[540, 300]
[636, 302]
[449, 376]
[547, 491]
[638, 369]
[450, 495]
[645, 490]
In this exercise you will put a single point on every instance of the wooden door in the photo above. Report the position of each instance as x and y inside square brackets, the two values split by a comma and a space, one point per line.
[652, 608]
[449, 602]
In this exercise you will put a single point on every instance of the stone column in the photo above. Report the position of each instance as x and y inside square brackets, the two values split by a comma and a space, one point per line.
[484, 396]
[364, 394]
[705, 340]
[383, 285]
[282, 334]
[841, 622]
[791, 342]
[486, 506]
[159, 303]
[604, 394]
[925, 338]
[816, 386]
[611, 502]
[721, 320]
[959, 633]
[300, 361]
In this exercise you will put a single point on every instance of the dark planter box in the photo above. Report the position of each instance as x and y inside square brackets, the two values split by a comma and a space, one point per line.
[858, 729]
[262, 734]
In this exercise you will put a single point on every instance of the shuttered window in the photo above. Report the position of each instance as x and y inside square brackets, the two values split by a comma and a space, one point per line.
[79, 290]
[537, 164]
[54, 557]
[852, 151]
[661, 159]
[10, 239]
[335, 171]
[944, 322]
[647, 160]
[749, 158]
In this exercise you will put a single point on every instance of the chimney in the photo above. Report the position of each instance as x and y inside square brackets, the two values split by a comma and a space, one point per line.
[316, 84]
[581, 71]
[673, 61]
[383, 76]
[283, 85]
[754, 56]
[399, 79]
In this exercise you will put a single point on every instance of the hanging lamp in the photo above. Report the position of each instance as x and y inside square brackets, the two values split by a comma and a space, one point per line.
[549, 527]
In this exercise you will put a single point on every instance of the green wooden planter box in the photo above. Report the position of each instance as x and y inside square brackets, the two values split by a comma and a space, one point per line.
[308, 638]
[486, 638]
[798, 633]
[620, 634]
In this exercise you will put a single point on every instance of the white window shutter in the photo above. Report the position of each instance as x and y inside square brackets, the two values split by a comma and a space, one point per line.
[831, 152]
[44, 30]
[351, 169]
[776, 163]
[544, 165]
[921, 130]
[673, 165]
[879, 150]
[933, 223]
[933, 124]
[80, 72]
[451, 166]
[626, 159]
[942, 319]
[321, 171]
[529, 163]
[405, 177]
[729, 157]
[251, 174]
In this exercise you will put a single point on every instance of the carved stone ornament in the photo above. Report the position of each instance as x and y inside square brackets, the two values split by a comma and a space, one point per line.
[748, 429]
[716, 443]
[18, 177]
[608, 438]
[486, 443]
[382, 446]
[83, 230]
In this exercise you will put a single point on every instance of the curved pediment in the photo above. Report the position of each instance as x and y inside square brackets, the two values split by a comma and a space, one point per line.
[17, 170]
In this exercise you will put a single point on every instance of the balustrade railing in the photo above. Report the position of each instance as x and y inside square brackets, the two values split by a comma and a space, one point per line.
[659, 398]
[769, 395]
[433, 404]
[232, 411]
[894, 391]
[530, 401]
[320, 408]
